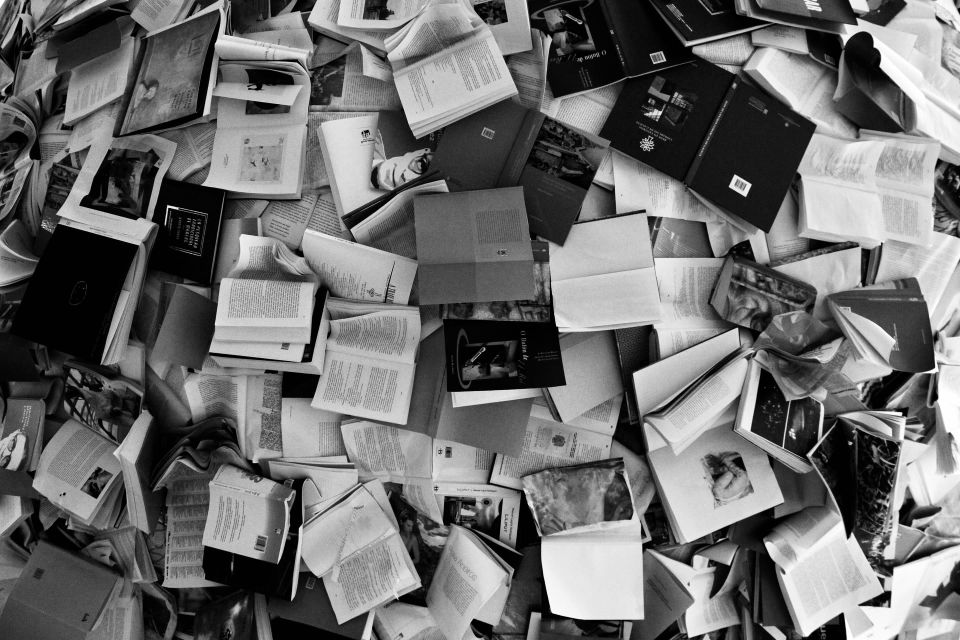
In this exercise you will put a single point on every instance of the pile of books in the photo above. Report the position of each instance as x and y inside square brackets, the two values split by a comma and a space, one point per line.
[499, 319]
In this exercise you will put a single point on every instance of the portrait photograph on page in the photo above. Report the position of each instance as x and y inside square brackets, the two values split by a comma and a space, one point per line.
[171, 81]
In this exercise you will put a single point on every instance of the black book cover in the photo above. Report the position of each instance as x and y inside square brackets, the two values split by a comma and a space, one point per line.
[485, 355]
[750, 155]
[583, 50]
[703, 20]
[662, 118]
[189, 218]
[311, 612]
[258, 575]
[645, 46]
[73, 293]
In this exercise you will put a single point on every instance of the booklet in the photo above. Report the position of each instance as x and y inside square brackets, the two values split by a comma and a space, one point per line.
[485, 354]
[734, 146]
[599, 43]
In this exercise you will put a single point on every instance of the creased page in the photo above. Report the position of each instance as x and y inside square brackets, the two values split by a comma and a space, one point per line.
[383, 334]
[387, 453]
[465, 579]
[795, 537]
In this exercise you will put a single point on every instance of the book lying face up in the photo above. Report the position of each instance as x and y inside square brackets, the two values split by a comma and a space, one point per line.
[734, 146]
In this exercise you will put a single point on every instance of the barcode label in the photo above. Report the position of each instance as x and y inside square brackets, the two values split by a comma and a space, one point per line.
[310, 583]
[657, 57]
[391, 293]
[740, 185]
[261, 543]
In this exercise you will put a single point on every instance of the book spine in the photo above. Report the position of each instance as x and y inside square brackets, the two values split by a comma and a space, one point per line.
[727, 99]
[611, 21]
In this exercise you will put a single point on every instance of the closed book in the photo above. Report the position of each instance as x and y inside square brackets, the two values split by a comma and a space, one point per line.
[661, 119]
[73, 294]
[750, 155]
[832, 10]
[698, 21]
[59, 596]
[189, 218]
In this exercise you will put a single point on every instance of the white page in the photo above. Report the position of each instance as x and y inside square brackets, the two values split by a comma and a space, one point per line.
[466, 578]
[100, 81]
[685, 285]
[380, 573]
[357, 272]
[604, 583]
[829, 273]
[365, 388]
[387, 453]
[600, 247]
[308, 432]
[932, 266]
[188, 499]
[458, 462]
[387, 335]
[591, 369]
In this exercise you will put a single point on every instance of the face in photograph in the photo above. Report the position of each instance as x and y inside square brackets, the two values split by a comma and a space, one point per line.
[389, 173]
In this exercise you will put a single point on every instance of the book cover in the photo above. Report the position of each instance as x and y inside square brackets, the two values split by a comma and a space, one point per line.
[77, 284]
[829, 10]
[486, 354]
[189, 218]
[696, 21]
[644, 45]
[750, 155]
[662, 118]
[584, 50]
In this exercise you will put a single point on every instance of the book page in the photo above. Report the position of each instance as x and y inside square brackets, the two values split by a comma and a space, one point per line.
[98, 82]
[188, 500]
[391, 227]
[831, 580]
[365, 387]
[76, 469]
[380, 573]
[458, 462]
[529, 71]
[387, 453]
[932, 265]
[454, 79]
[465, 580]
[355, 14]
[307, 432]
[794, 538]
[685, 285]
[209, 395]
[549, 444]
[386, 335]
[246, 307]
[356, 272]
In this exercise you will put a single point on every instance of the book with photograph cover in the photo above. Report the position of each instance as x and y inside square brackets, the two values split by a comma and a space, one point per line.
[697, 21]
[487, 508]
[750, 294]
[785, 429]
[189, 217]
[175, 76]
[483, 355]
[596, 43]
[584, 497]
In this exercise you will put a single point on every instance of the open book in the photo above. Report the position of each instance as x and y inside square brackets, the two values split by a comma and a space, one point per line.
[446, 65]
[370, 360]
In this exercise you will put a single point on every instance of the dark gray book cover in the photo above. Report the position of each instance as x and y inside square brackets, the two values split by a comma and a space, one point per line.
[189, 218]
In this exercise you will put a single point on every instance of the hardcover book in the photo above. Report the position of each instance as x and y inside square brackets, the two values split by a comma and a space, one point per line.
[189, 217]
[733, 145]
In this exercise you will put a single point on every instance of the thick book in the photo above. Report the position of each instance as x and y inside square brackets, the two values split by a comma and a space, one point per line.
[189, 217]
[697, 21]
[483, 355]
[733, 145]
[597, 43]
[508, 145]
[77, 285]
